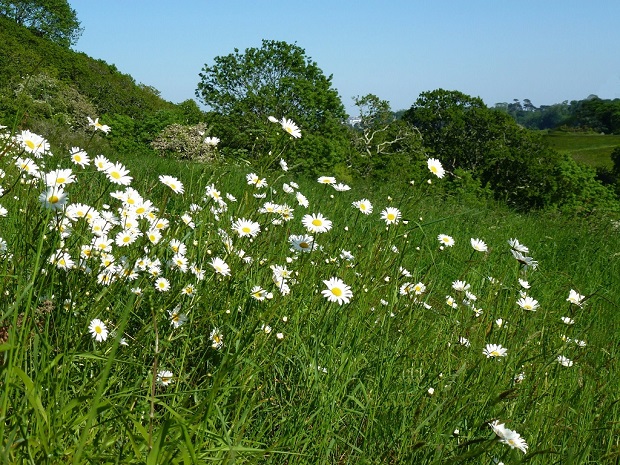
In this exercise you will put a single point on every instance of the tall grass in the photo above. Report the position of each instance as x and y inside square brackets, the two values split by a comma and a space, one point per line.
[395, 375]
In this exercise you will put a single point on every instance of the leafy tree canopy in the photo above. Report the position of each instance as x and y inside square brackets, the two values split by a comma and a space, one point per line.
[464, 134]
[52, 19]
[277, 79]
[280, 80]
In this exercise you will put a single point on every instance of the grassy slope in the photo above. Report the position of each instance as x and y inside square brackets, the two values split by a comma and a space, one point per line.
[591, 149]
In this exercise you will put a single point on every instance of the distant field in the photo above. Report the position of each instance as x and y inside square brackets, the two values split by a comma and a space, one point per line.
[592, 149]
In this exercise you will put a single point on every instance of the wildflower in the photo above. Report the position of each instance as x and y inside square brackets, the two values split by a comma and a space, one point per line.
[259, 293]
[33, 143]
[173, 183]
[27, 165]
[464, 341]
[450, 302]
[495, 350]
[478, 245]
[179, 262]
[562, 360]
[98, 330]
[431, 391]
[54, 198]
[178, 247]
[302, 243]
[118, 174]
[346, 255]
[527, 262]
[516, 245]
[527, 303]
[524, 284]
[102, 163]
[212, 192]
[326, 180]
[162, 284]
[189, 290]
[435, 167]
[301, 199]
[567, 321]
[97, 125]
[59, 178]
[220, 266]
[446, 240]
[364, 206]
[217, 338]
[289, 126]
[164, 377]
[127, 237]
[187, 219]
[245, 227]
[153, 235]
[391, 215]
[460, 286]
[340, 187]
[575, 298]
[508, 436]
[79, 157]
[253, 179]
[211, 141]
[176, 317]
[316, 223]
[337, 291]
[283, 165]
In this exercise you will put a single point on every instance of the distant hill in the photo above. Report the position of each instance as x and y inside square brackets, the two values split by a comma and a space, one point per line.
[46, 85]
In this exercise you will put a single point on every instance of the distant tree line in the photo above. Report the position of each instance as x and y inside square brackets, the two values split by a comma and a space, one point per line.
[591, 114]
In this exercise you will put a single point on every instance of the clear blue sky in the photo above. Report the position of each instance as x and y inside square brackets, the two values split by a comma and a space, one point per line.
[544, 50]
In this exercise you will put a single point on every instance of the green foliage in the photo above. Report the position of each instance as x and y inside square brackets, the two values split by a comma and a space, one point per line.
[52, 19]
[185, 143]
[463, 133]
[385, 147]
[615, 159]
[278, 79]
[579, 191]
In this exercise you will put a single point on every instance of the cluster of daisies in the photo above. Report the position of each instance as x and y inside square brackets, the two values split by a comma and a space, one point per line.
[166, 262]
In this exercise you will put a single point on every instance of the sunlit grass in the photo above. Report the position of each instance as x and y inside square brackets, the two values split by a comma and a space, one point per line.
[591, 149]
[225, 343]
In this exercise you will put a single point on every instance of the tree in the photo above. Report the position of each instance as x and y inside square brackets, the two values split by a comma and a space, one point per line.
[464, 134]
[278, 79]
[52, 19]
[383, 141]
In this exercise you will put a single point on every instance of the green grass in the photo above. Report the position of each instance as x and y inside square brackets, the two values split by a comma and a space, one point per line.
[299, 379]
[591, 149]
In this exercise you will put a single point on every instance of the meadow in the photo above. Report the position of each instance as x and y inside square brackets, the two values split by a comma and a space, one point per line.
[592, 149]
[157, 311]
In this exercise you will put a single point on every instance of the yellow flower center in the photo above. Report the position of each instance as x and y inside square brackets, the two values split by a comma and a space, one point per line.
[246, 230]
[98, 329]
[337, 291]
[115, 174]
[391, 216]
[30, 144]
[317, 222]
[54, 199]
[304, 245]
[126, 239]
